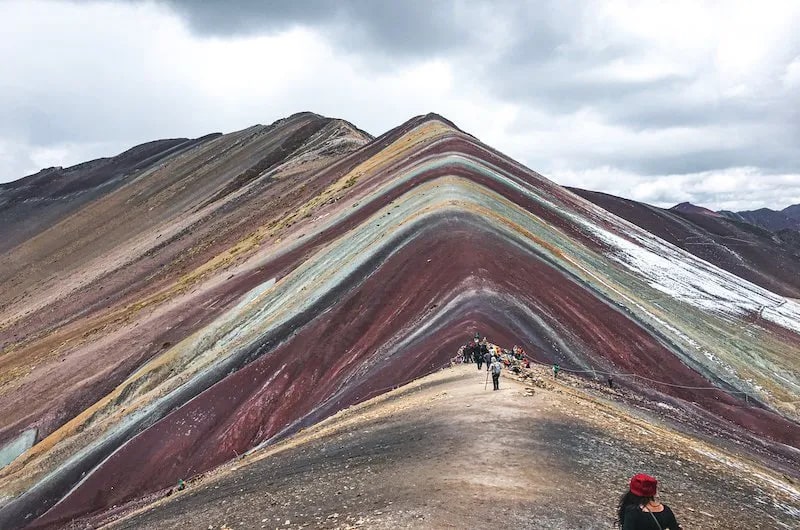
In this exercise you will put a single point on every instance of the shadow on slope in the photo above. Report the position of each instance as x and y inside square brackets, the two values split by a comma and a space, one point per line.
[443, 452]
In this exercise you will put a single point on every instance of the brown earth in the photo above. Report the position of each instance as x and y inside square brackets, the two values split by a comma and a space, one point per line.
[442, 452]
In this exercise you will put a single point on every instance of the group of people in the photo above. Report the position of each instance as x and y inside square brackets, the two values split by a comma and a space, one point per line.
[639, 508]
[482, 352]
[476, 350]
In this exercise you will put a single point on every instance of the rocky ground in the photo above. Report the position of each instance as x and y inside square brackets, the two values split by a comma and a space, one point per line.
[443, 452]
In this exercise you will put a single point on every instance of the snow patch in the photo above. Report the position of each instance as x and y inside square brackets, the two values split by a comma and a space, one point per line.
[667, 406]
[684, 277]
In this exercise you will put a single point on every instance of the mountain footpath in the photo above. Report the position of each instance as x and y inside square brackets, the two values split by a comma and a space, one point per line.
[443, 452]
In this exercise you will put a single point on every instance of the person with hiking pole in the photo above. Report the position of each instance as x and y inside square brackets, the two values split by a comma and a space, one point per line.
[496, 367]
[640, 510]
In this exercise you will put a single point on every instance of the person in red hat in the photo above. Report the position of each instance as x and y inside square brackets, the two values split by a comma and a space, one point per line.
[640, 510]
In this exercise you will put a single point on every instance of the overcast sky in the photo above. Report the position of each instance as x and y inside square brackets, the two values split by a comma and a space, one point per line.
[663, 103]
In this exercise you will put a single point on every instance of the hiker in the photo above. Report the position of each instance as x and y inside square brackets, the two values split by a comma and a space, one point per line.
[556, 368]
[476, 348]
[487, 358]
[640, 510]
[484, 348]
[463, 353]
[479, 357]
[610, 382]
[468, 355]
[496, 368]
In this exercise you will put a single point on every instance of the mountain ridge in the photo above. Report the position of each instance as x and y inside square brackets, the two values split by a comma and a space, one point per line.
[332, 276]
[772, 220]
[32, 203]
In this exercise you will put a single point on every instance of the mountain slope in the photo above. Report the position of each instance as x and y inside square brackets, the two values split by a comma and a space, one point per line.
[444, 452]
[365, 271]
[125, 259]
[33, 203]
[792, 211]
[747, 251]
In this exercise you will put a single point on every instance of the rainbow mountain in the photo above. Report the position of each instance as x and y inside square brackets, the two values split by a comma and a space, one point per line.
[171, 309]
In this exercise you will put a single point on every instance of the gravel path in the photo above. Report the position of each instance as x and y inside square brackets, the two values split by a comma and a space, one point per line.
[443, 452]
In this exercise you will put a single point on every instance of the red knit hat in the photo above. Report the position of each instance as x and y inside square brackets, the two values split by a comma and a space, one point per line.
[643, 485]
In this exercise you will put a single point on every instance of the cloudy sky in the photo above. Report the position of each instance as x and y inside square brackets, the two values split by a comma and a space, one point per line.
[662, 102]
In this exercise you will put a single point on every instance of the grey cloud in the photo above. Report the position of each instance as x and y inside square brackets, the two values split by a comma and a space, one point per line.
[671, 103]
[767, 160]
[770, 192]
[408, 28]
[546, 59]
[556, 72]
[777, 157]
[657, 108]
[546, 63]
[558, 89]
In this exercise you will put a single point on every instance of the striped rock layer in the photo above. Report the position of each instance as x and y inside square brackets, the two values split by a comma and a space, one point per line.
[767, 259]
[257, 282]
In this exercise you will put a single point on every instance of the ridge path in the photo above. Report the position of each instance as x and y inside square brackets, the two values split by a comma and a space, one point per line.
[442, 452]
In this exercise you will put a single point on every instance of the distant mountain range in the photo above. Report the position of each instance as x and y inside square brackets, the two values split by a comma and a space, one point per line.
[772, 220]
[766, 258]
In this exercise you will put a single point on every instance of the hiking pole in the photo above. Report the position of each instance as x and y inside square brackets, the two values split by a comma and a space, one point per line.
[487, 380]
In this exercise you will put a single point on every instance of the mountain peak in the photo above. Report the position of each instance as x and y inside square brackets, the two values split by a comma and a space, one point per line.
[430, 117]
[792, 211]
[687, 207]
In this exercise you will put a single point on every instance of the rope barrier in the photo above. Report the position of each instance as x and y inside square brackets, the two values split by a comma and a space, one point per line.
[732, 393]
[619, 374]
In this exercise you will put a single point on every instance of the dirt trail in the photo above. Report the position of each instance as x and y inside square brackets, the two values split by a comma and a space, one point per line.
[443, 452]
